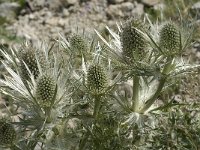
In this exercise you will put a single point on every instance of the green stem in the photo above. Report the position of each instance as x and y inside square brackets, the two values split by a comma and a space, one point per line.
[83, 142]
[48, 114]
[15, 147]
[135, 98]
[97, 105]
[163, 79]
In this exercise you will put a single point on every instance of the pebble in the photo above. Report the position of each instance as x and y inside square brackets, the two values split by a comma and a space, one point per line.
[150, 2]
[9, 10]
[65, 12]
[115, 1]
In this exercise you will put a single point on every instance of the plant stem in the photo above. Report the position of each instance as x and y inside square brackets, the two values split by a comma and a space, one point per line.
[83, 142]
[135, 98]
[48, 114]
[167, 68]
[14, 147]
[97, 105]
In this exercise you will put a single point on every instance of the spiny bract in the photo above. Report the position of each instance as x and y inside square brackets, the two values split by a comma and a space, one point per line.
[7, 133]
[28, 57]
[45, 90]
[96, 79]
[133, 42]
[170, 39]
[78, 43]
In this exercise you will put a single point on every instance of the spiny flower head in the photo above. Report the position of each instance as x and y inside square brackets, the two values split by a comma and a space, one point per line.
[78, 43]
[28, 56]
[170, 39]
[133, 42]
[96, 79]
[45, 90]
[7, 133]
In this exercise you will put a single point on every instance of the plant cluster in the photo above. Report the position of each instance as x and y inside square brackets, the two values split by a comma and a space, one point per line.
[81, 94]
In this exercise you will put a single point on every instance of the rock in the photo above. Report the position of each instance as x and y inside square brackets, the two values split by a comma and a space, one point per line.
[72, 2]
[114, 11]
[46, 21]
[160, 6]
[53, 4]
[127, 7]
[124, 10]
[115, 1]
[36, 4]
[61, 23]
[40, 4]
[150, 2]
[52, 21]
[195, 9]
[9, 10]
[32, 17]
[196, 6]
[65, 12]
[83, 1]
[138, 10]
[69, 3]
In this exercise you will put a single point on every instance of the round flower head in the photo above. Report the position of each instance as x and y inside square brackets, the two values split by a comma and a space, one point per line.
[96, 79]
[78, 43]
[133, 42]
[28, 57]
[45, 90]
[170, 39]
[7, 133]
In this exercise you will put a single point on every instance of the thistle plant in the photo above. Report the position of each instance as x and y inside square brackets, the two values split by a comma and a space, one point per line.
[29, 58]
[133, 42]
[7, 133]
[37, 101]
[161, 49]
[96, 80]
[100, 94]
[79, 46]
[78, 43]
[170, 39]
[45, 90]
[97, 84]
[159, 61]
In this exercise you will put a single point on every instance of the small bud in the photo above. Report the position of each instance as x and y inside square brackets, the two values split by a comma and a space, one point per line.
[29, 58]
[96, 79]
[170, 39]
[7, 133]
[45, 90]
[78, 43]
[133, 42]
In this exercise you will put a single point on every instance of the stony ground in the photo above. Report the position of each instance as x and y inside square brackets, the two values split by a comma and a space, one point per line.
[44, 19]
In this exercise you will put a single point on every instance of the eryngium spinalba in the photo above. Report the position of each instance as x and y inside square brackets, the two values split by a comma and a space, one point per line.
[28, 57]
[170, 39]
[133, 42]
[96, 79]
[7, 133]
[45, 90]
[78, 43]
